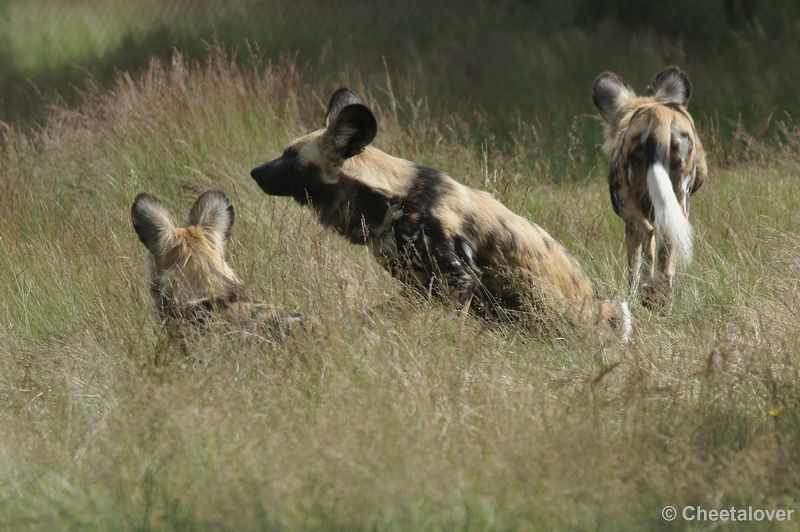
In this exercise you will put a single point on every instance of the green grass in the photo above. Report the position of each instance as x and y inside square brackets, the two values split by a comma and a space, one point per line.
[390, 415]
[509, 62]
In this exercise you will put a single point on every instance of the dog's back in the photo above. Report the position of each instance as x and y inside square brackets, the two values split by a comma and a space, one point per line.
[657, 165]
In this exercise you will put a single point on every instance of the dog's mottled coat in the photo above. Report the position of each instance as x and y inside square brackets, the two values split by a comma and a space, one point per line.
[657, 164]
[425, 227]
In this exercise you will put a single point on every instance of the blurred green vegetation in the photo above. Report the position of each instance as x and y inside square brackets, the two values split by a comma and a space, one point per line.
[515, 65]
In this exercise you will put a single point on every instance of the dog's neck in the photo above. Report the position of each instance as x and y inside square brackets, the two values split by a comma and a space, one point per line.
[366, 198]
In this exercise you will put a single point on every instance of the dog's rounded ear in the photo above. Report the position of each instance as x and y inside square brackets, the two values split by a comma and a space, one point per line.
[152, 222]
[611, 95]
[340, 99]
[353, 128]
[213, 213]
[671, 85]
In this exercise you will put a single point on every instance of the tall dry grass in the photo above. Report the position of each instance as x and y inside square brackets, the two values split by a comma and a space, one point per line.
[390, 415]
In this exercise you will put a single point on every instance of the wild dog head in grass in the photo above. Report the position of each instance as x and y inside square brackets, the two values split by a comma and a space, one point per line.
[190, 282]
[657, 164]
[431, 231]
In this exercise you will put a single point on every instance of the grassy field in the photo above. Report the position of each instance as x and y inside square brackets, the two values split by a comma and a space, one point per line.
[390, 415]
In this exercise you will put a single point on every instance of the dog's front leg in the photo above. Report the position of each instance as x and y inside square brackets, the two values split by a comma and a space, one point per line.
[461, 277]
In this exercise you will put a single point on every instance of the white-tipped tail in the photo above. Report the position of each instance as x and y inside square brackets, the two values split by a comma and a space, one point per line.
[627, 323]
[670, 220]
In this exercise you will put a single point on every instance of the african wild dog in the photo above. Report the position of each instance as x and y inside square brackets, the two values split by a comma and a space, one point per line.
[190, 282]
[657, 164]
[429, 230]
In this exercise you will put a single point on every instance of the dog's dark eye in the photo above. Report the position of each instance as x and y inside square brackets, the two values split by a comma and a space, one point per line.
[290, 153]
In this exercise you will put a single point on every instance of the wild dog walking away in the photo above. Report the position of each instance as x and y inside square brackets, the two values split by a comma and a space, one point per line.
[657, 164]
[190, 282]
[429, 230]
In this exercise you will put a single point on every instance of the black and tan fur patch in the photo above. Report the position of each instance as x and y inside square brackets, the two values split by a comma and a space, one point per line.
[190, 283]
[657, 164]
[429, 230]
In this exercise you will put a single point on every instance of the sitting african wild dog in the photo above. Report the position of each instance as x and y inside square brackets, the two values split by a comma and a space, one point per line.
[657, 164]
[429, 230]
[190, 282]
